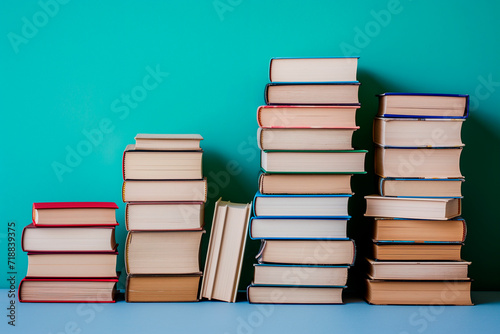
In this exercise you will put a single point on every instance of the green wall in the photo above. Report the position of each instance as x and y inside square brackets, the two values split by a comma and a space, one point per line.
[68, 74]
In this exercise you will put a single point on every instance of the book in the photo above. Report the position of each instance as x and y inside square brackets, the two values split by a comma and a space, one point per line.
[297, 228]
[313, 69]
[389, 292]
[410, 251]
[307, 116]
[164, 216]
[400, 187]
[294, 295]
[413, 208]
[349, 162]
[338, 93]
[160, 252]
[305, 184]
[76, 265]
[162, 288]
[305, 275]
[68, 239]
[74, 214]
[225, 251]
[164, 191]
[419, 230]
[417, 132]
[418, 162]
[66, 290]
[418, 270]
[161, 165]
[327, 252]
[305, 139]
[423, 105]
[300, 206]
[168, 142]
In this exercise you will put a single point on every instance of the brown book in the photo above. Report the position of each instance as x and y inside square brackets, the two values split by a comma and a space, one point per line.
[419, 230]
[307, 275]
[418, 270]
[385, 292]
[165, 191]
[260, 294]
[421, 187]
[72, 265]
[423, 105]
[164, 216]
[313, 69]
[416, 252]
[339, 93]
[305, 139]
[418, 162]
[162, 288]
[168, 142]
[413, 208]
[305, 183]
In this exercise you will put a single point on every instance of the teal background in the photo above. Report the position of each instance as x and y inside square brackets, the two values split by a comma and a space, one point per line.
[65, 79]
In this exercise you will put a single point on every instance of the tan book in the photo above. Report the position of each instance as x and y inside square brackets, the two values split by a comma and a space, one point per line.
[168, 142]
[164, 216]
[339, 93]
[418, 270]
[225, 251]
[307, 116]
[320, 206]
[172, 252]
[417, 132]
[423, 105]
[305, 139]
[165, 191]
[161, 165]
[281, 274]
[72, 265]
[419, 230]
[413, 208]
[305, 183]
[385, 292]
[162, 288]
[302, 228]
[74, 214]
[313, 69]
[418, 162]
[294, 295]
[421, 187]
[416, 252]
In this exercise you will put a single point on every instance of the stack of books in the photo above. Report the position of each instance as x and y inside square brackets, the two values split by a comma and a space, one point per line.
[300, 212]
[71, 253]
[165, 193]
[417, 230]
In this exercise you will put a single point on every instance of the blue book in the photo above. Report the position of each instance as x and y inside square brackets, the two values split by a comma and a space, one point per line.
[412, 187]
[297, 228]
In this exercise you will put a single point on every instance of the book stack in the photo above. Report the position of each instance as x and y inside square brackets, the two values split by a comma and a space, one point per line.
[71, 253]
[300, 212]
[417, 230]
[165, 193]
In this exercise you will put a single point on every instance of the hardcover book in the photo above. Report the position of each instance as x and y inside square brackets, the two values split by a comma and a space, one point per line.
[303, 275]
[74, 214]
[423, 105]
[336, 93]
[165, 191]
[162, 288]
[412, 251]
[168, 142]
[313, 69]
[305, 184]
[297, 228]
[305, 139]
[164, 216]
[263, 294]
[404, 187]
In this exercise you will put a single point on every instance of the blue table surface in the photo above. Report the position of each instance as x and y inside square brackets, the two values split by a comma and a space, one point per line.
[355, 316]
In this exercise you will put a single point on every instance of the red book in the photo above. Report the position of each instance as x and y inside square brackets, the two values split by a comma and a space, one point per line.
[74, 214]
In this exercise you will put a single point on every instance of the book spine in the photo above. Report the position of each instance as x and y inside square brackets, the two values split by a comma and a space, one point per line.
[260, 142]
[126, 218]
[123, 190]
[127, 246]
[123, 164]
[259, 116]
[266, 94]
[464, 235]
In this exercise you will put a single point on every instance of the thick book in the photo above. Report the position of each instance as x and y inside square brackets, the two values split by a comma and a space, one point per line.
[325, 252]
[313, 69]
[413, 208]
[423, 105]
[438, 163]
[412, 251]
[315, 93]
[68, 239]
[305, 184]
[305, 139]
[161, 165]
[307, 116]
[349, 162]
[297, 228]
[161, 252]
[391, 292]
[264, 294]
[67, 290]
[165, 191]
[290, 206]
[401, 187]
[225, 251]
[417, 132]
[164, 216]
[162, 288]
[74, 214]
[168, 142]
[418, 270]
[76, 265]
[294, 274]
[453, 230]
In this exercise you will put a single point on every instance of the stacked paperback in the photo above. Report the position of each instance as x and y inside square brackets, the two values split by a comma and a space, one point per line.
[300, 211]
[417, 230]
[165, 193]
[71, 253]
